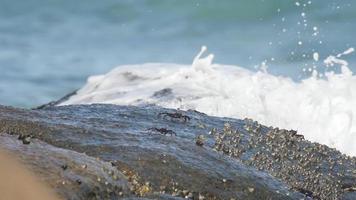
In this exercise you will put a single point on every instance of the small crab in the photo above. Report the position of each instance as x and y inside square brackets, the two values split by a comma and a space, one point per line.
[175, 115]
[163, 131]
[64, 167]
[295, 134]
[25, 138]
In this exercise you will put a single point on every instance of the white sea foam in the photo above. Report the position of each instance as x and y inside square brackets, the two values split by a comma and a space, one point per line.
[323, 110]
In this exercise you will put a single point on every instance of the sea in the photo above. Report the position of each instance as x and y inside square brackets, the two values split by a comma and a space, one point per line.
[285, 63]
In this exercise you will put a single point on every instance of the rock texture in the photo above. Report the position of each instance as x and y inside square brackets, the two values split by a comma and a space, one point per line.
[122, 152]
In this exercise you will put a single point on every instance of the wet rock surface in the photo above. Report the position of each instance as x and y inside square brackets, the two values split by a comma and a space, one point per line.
[158, 153]
[73, 175]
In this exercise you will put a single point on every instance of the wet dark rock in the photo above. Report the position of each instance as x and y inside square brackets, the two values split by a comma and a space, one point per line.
[132, 77]
[74, 182]
[164, 93]
[57, 102]
[112, 152]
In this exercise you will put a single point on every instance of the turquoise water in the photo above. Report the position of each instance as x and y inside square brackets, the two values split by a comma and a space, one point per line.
[49, 47]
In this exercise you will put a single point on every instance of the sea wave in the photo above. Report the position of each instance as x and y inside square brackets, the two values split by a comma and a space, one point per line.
[322, 109]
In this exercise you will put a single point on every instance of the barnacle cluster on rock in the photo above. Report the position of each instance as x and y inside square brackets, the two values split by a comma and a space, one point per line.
[312, 169]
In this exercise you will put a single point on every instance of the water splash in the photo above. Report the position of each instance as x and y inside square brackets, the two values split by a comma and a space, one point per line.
[203, 64]
[322, 109]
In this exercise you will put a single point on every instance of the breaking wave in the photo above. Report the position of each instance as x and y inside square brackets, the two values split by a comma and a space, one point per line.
[322, 109]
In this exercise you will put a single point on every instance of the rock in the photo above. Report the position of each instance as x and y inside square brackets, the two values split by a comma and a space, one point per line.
[61, 169]
[57, 102]
[124, 158]
[17, 182]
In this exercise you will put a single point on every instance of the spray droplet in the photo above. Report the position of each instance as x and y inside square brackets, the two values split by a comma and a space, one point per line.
[316, 56]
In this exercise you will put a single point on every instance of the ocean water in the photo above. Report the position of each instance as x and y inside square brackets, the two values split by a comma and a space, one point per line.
[284, 63]
[49, 47]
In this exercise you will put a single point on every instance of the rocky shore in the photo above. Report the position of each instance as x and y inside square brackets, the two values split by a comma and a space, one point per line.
[124, 152]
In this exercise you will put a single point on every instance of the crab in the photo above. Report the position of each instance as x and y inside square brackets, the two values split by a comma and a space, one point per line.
[295, 134]
[175, 115]
[163, 131]
[25, 138]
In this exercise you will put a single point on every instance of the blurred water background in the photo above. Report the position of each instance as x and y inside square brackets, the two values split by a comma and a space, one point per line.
[49, 47]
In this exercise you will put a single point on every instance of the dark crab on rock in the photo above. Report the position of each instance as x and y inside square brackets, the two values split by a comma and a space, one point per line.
[162, 131]
[175, 116]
